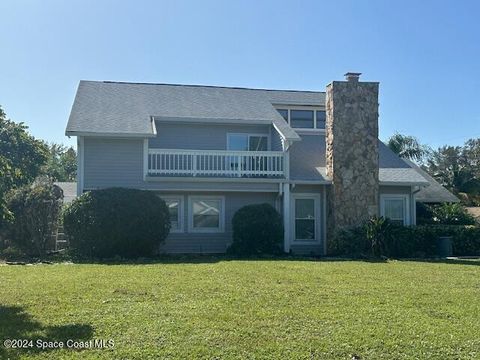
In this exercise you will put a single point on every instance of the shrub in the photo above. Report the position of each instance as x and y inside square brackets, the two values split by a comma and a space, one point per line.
[348, 241]
[424, 213]
[12, 253]
[452, 214]
[378, 233]
[35, 210]
[377, 239]
[116, 222]
[257, 229]
[466, 241]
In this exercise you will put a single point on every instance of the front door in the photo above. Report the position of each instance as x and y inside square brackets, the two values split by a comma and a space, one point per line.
[306, 218]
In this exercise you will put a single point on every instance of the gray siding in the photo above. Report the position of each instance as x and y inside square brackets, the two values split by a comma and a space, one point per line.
[113, 162]
[199, 136]
[395, 189]
[119, 162]
[314, 189]
[219, 185]
[186, 242]
[306, 157]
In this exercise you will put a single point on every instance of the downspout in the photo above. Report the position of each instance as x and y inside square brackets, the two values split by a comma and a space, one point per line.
[286, 199]
[413, 202]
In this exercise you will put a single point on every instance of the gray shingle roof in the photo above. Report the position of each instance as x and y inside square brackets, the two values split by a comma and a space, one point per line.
[127, 108]
[307, 163]
[435, 192]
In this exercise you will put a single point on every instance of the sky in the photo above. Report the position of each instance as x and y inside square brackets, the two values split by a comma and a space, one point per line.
[425, 54]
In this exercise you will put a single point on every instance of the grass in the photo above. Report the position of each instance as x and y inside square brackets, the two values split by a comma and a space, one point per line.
[219, 309]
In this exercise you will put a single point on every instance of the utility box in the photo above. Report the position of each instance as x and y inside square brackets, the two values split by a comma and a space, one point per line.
[444, 246]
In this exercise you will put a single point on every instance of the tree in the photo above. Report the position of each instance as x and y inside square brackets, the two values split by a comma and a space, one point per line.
[21, 158]
[458, 169]
[446, 166]
[61, 164]
[408, 147]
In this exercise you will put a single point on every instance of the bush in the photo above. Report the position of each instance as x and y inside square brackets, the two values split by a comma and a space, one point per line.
[452, 214]
[375, 238]
[444, 214]
[36, 209]
[424, 213]
[12, 253]
[257, 229]
[348, 241]
[116, 222]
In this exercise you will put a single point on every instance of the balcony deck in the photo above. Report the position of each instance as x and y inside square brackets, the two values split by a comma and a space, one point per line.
[216, 163]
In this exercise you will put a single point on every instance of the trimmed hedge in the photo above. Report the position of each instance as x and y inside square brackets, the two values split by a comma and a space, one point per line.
[116, 222]
[405, 242]
[257, 229]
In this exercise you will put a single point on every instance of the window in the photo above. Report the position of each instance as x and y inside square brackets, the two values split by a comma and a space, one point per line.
[301, 119]
[244, 142]
[175, 208]
[321, 118]
[247, 142]
[395, 208]
[206, 214]
[237, 142]
[304, 117]
[257, 143]
[284, 113]
[306, 217]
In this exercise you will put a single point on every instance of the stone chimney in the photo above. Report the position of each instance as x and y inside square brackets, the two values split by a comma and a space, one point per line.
[352, 150]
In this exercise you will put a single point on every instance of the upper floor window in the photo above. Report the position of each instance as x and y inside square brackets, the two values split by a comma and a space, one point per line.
[321, 118]
[301, 119]
[304, 118]
[284, 113]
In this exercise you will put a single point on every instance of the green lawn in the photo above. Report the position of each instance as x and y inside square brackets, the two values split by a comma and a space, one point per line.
[246, 309]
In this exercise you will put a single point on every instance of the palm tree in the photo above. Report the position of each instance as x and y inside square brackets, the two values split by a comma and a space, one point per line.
[408, 147]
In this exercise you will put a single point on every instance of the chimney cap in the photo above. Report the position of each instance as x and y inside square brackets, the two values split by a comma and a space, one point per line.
[352, 76]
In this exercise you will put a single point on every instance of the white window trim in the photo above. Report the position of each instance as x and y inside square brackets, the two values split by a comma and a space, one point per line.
[318, 218]
[311, 108]
[221, 227]
[405, 198]
[267, 135]
[181, 213]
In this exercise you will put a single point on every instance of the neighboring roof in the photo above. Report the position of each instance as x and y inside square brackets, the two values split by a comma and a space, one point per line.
[69, 190]
[435, 192]
[307, 163]
[394, 170]
[116, 108]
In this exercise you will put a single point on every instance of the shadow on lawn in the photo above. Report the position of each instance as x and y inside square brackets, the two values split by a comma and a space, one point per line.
[16, 323]
[211, 259]
[474, 262]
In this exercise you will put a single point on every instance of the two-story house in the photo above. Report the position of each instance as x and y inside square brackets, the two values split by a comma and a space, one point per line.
[209, 150]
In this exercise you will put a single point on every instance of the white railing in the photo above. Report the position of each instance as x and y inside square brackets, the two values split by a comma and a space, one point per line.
[216, 163]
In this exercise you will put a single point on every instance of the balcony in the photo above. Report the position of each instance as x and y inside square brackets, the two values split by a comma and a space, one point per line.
[216, 163]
